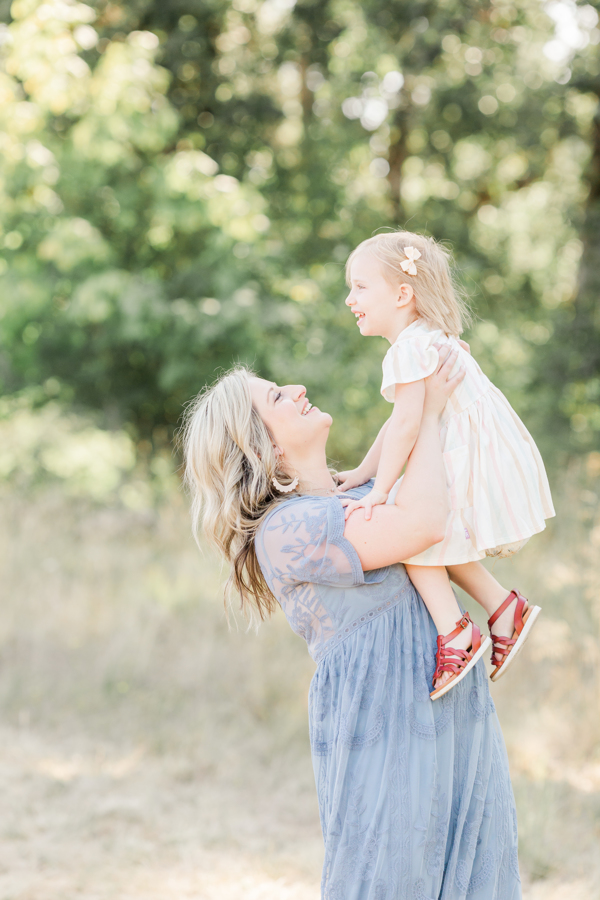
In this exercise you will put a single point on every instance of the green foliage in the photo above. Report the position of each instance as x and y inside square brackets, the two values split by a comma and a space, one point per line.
[181, 185]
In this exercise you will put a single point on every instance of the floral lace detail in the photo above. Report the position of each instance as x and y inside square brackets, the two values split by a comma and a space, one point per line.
[357, 741]
[315, 573]
[419, 891]
[436, 845]
[468, 885]
[433, 731]
[381, 890]
[479, 709]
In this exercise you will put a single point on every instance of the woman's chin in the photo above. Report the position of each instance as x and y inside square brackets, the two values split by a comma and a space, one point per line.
[325, 419]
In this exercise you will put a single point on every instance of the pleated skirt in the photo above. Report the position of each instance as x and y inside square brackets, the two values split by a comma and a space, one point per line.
[497, 484]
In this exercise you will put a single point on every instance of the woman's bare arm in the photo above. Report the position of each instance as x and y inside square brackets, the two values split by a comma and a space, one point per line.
[418, 518]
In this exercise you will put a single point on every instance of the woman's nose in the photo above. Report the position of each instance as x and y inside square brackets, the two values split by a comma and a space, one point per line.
[300, 391]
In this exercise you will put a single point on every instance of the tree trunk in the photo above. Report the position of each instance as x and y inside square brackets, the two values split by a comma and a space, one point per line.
[396, 156]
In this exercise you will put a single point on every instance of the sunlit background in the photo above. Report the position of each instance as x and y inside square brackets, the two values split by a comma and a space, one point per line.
[181, 183]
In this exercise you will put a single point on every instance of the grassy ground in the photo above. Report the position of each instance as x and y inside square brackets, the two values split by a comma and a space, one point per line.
[146, 751]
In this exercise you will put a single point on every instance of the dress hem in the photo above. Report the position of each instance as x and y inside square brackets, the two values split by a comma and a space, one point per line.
[476, 552]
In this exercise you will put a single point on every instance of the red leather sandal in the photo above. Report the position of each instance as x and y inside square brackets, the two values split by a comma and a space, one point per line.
[507, 648]
[458, 662]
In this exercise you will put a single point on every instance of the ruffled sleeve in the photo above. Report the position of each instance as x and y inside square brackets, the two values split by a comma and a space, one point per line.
[303, 541]
[406, 361]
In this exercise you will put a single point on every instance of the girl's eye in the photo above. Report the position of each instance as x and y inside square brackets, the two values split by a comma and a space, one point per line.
[278, 396]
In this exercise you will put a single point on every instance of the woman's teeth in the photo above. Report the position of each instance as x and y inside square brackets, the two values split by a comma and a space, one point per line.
[306, 409]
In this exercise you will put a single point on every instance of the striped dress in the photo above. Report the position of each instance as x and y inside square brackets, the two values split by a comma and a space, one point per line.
[498, 488]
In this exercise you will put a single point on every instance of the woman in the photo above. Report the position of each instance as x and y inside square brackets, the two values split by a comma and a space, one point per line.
[414, 797]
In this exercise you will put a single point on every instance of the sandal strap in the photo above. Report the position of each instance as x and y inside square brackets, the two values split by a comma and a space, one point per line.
[500, 639]
[453, 659]
[519, 610]
[451, 652]
[518, 616]
[502, 647]
[501, 608]
[462, 623]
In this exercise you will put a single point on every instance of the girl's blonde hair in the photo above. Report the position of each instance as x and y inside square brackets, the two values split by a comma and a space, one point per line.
[438, 298]
[229, 462]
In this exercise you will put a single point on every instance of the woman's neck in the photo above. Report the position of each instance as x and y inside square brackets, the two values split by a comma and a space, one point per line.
[313, 474]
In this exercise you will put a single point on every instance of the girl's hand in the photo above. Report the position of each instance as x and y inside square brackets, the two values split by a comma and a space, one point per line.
[351, 479]
[464, 345]
[439, 386]
[373, 498]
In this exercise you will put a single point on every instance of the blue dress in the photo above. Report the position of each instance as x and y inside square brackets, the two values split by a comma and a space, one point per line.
[414, 796]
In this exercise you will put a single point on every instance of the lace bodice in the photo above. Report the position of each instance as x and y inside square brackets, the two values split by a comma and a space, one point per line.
[316, 575]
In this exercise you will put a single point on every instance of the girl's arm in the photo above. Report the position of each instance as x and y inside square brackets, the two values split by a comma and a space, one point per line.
[370, 463]
[368, 467]
[418, 518]
[397, 442]
[401, 435]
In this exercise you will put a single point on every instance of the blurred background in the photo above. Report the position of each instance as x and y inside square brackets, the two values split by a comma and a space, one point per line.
[181, 183]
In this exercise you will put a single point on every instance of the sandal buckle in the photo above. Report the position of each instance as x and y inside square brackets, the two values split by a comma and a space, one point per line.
[464, 622]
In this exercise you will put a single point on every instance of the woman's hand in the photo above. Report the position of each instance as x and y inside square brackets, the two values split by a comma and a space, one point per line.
[440, 386]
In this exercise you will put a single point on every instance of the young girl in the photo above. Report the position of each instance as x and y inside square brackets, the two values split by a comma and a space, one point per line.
[401, 288]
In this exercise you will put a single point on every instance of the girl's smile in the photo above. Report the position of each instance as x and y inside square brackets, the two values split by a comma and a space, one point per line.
[381, 308]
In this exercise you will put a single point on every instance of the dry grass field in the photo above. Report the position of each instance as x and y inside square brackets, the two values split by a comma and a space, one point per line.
[148, 752]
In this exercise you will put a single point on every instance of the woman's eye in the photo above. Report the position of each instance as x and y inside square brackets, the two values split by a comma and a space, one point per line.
[278, 396]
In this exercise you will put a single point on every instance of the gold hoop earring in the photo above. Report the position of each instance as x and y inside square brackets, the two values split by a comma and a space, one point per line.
[286, 489]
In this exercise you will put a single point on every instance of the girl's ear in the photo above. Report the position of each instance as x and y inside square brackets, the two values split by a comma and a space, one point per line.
[405, 294]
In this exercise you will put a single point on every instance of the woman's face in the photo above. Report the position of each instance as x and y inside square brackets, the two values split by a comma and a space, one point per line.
[295, 425]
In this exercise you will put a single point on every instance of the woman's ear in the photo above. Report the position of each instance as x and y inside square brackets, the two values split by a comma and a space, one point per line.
[277, 451]
[405, 294]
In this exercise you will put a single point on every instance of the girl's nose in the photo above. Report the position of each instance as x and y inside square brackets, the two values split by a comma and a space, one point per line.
[300, 391]
[349, 300]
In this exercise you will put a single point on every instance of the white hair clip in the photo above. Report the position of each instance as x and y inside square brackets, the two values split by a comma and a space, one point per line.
[408, 265]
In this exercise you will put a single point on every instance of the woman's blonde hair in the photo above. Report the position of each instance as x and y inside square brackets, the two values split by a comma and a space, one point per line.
[229, 462]
[438, 298]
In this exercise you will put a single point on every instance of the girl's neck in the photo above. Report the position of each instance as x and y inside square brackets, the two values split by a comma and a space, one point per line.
[402, 322]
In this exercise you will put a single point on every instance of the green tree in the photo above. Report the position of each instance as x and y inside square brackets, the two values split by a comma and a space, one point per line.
[183, 183]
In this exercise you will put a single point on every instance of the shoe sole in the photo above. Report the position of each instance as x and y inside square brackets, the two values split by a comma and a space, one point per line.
[529, 623]
[485, 644]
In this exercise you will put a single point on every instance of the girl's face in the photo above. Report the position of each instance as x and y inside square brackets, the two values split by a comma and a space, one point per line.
[295, 425]
[378, 305]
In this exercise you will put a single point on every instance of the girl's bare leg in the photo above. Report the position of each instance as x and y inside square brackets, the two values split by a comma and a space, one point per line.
[434, 586]
[482, 586]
